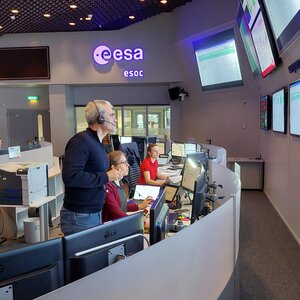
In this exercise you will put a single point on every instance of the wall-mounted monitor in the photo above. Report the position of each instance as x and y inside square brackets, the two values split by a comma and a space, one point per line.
[279, 111]
[24, 63]
[294, 95]
[248, 42]
[265, 112]
[284, 16]
[251, 9]
[264, 45]
[214, 51]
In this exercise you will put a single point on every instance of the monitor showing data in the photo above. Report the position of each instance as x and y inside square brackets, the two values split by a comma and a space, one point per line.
[263, 46]
[294, 94]
[284, 16]
[279, 111]
[215, 51]
[251, 9]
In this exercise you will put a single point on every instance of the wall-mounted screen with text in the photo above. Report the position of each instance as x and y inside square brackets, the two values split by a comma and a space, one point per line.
[294, 95]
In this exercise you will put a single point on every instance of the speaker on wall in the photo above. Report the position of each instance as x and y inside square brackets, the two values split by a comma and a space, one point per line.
[174, 93]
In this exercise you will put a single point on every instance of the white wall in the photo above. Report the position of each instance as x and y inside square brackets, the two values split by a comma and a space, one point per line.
[281, 152]
[15, 98]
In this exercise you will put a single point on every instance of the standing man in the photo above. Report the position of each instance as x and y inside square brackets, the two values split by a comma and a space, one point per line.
[85, 170]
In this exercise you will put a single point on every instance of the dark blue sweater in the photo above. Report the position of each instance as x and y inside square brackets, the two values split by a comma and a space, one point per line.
[84, 173]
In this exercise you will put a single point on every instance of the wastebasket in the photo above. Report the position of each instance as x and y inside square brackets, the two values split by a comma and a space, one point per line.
[32, 230]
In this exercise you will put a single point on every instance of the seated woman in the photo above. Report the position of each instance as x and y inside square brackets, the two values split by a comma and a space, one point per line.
[116, 205]
[149, 173]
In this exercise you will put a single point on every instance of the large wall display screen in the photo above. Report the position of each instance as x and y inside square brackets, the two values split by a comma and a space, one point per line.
[284, 16]
[24, 63]
[217, 61]
[265, 109]
[294, 94]
[251, 8]
[248, 43]
[279, 111]
[263, 46]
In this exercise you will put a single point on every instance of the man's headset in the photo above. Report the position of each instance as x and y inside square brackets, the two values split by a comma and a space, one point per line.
[100, 118]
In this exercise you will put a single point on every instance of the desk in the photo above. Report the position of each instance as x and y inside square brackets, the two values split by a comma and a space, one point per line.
[42, 205]
[252, 171]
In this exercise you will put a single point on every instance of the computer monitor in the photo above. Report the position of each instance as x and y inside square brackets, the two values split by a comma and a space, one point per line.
[191, 171]
[141, 143]
[125, 139]
[90, 250]
[177, 149]
[199, 157]
[189, 148]
[294, 107]
[31, 271]
[199, 196]
[158, 218]
[151, 140]
[115, 141]
[161, 147]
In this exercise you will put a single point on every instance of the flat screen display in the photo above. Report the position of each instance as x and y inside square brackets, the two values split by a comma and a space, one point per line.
[284, 16]
[251, 9]
[215, 51]
[279, 111]
[294, 93]
[248, 43]
[177, 149]
[24, 63]
[265, 109]
[262, 43]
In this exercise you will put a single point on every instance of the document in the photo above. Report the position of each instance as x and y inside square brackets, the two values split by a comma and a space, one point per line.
[144, 191]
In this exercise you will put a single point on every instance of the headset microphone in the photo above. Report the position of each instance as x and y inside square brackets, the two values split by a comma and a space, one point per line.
[109, 122]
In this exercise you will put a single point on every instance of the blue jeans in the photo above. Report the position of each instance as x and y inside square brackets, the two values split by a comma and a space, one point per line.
[72, 222]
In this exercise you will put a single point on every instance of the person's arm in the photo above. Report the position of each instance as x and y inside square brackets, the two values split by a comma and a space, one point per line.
[149, 181]
[140, 206]
[161, 175]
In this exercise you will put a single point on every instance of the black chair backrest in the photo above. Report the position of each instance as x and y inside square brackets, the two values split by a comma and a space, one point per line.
[133, 158]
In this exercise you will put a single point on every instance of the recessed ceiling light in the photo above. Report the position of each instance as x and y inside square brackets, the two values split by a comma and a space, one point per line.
[163, 1]
[88, 19]
[14, 11]
[47, 15]
[73, 6]
[72, 23]
[131, 17]
[1, 27]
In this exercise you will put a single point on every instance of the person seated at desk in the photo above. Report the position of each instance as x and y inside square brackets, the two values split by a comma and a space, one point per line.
[149, 173]
[116, 205]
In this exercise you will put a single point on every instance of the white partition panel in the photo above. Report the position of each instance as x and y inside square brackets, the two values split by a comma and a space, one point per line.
[195, 263]
[43, 154]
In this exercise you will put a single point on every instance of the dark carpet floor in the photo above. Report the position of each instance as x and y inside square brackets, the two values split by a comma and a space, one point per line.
[269, 256]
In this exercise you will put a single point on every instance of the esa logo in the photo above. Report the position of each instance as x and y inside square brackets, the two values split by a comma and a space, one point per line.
[108, 234]
[103, 55]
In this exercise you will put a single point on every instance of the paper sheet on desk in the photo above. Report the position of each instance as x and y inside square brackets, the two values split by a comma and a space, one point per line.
[144, 191]
[175, 178]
